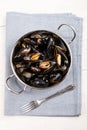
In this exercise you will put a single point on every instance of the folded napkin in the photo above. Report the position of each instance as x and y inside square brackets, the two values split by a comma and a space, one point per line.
[68, 104]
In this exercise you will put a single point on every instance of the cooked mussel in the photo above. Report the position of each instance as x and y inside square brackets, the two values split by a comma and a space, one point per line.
[37, 36]
[61, 48]
[19, 65]
[27, 40]
[35, 69]
[21, 53]
[25, 51]
[44, 64]
[39, 82]
[35, 56]
[41, 59]
[26, 74]
[26, 58]
[50, 69]
[60, 57]
[39, 41]
[54, 78]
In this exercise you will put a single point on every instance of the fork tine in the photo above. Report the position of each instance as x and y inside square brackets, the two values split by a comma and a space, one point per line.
[28, 109]
[25, 105]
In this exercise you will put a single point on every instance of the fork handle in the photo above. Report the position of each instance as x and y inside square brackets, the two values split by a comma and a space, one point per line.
[69, 88]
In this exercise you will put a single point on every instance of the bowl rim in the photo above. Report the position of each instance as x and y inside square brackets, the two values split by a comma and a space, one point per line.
[12, 66]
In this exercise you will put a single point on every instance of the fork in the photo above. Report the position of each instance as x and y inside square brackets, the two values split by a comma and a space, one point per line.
[36, 103]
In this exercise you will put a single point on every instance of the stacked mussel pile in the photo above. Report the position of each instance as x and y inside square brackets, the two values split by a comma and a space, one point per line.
[41, 59]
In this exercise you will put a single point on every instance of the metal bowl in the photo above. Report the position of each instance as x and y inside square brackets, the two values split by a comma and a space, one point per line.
[20, 81]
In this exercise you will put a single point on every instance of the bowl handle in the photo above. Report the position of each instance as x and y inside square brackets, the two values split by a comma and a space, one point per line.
[72, 28]
[10, 89]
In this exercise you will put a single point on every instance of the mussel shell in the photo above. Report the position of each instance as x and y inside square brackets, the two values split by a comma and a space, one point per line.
[50, 69]
[26, 74]
[35, 56]
[45, 65]
[59, 42]
[60, 57]
[17, 58]
[50, 51]
[55, 78]
[37, 36]
[35, 69]
[27, 40]
[35, 49]
[25, 51]
[39, 83]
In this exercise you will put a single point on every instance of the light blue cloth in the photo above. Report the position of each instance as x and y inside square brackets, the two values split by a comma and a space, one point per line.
[68, 104]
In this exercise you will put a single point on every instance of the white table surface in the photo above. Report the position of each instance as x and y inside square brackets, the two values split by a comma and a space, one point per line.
[79, 8]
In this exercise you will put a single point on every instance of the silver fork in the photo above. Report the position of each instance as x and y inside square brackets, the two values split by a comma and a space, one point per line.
[36, 103]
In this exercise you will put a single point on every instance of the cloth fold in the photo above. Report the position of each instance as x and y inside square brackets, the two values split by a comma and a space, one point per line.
[68, 104]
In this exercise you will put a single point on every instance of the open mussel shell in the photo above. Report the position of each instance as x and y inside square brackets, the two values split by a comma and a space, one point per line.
[39, 82]
[61, 57]
[60, 44]
[41, 59]
[35, 56]
[55, 78]
[35, 69]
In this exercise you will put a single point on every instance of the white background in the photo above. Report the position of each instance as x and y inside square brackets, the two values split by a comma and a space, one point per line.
[78, 7]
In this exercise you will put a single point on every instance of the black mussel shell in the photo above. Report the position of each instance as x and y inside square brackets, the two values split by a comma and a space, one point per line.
[41, 59]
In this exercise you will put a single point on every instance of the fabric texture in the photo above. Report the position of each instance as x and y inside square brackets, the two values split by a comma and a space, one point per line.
[68, 104]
